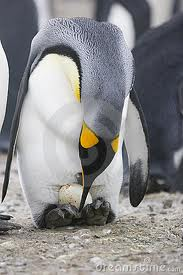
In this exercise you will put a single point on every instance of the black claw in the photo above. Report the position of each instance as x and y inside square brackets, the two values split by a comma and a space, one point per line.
[111, 217]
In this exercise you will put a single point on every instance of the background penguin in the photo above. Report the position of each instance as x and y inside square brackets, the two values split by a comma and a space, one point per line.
[18, 25]
[4, 78]
[159, 84]
[45, 11]
[78, 107]
[136, 17]
[132, 17]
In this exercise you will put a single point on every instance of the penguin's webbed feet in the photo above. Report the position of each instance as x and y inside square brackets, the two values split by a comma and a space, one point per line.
[61, 215]
[99, 212]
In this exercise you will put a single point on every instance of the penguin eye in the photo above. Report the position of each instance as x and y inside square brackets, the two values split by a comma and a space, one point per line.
[88, 138]
[115, 144]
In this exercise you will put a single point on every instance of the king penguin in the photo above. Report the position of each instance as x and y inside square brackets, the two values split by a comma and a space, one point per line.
[44, 10]
[4, 80]
[75, 99]
[159, 85]
[16, 38]
[134, 18]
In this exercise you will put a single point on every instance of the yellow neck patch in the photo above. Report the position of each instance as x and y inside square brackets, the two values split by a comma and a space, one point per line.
[115, 144]
[88, 139]
[71, 71]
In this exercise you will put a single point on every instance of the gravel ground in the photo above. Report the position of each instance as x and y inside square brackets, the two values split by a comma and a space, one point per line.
[144, 240]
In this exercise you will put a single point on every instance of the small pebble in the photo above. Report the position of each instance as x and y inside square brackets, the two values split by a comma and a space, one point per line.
[87, 241]
[96, 261]
[72, 245]
[163, 212]
[97, 236]
[76, 238]
[20, 263]
[2, 265]
[152, 214]
[85, 236]
[8, 245]
[106, 232]
[150, 208]
[167, 204]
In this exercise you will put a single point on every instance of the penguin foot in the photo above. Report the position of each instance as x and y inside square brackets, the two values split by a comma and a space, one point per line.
[5, 217]
[62, 215]
[99, 212]
[5, 225]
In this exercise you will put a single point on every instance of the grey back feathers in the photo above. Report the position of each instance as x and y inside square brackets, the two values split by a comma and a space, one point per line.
[104, 59]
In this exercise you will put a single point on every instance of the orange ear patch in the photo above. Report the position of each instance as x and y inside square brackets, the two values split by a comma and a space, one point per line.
[115, 144]
[88, 139]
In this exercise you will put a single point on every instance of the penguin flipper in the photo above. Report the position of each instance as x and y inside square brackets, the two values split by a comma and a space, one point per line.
[137, 145]
[14, 129]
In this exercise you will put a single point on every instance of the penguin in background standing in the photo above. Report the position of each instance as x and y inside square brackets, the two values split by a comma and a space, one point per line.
[4, 80]
[159, 85]
[16, 35]
[44, 9]
[78, 107]
[134, 18]
[5, 225]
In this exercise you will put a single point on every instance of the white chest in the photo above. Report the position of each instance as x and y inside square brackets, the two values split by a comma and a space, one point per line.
[120, 17]
[50, 125]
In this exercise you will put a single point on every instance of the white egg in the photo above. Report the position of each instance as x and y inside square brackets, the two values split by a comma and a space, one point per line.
[71, 193]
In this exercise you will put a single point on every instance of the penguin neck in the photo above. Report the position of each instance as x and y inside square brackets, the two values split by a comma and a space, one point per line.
[70, 70]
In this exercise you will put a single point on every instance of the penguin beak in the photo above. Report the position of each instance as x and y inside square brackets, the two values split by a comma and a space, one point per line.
[87, 183]
[95, 154]
[90, 169]
[88, 154]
